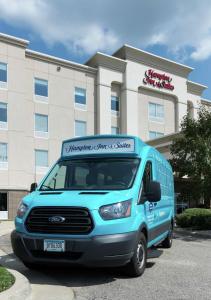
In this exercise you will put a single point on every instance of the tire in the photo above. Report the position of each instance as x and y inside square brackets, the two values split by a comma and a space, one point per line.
[167, 243]
[137, 264]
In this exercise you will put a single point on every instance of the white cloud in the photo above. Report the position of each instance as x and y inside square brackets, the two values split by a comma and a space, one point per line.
[203, 50]
[86, 26]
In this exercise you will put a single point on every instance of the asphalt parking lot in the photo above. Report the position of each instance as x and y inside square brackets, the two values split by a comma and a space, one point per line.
[182, 272]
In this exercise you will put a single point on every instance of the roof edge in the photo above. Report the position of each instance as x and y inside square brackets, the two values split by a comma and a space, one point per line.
[195, 88]
[56, 60]
[164, 140]
[206, 101]
[13, 40]
[130, 52]
[101, 59]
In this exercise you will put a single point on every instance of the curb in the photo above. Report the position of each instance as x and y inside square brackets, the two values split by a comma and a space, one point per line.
[20, 290]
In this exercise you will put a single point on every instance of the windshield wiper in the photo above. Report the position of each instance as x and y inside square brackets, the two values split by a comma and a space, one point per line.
[47, 186]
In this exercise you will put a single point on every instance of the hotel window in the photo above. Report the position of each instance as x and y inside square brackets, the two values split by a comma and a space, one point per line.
[115, 105]
[41, 126]
[80, 128]
[114, 130]
[155, 134]
[3, 75]
[3, 156]
[190, 109]
[156, 112]
[3, 206]
[41, 160]
[80, 97]
[41, 89]
[3, 115]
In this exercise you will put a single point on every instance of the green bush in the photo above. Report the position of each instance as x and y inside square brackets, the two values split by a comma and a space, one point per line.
[198, 218]
[6, 279]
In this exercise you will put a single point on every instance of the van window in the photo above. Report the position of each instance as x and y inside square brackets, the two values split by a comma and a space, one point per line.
[92, 174]
[57, 181]
[147, 177]
[81, 175]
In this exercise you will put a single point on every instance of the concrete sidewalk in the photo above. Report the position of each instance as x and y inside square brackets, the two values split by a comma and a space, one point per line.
[6, 227]
[30, 284]
[21, 289]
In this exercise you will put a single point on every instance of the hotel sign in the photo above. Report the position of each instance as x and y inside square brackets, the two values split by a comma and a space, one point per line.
[98, 145]
[161, 81]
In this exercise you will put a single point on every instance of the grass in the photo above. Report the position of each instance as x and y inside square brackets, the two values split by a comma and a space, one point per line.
[6, 279]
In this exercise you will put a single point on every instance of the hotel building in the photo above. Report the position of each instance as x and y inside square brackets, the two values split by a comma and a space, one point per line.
[46, 99]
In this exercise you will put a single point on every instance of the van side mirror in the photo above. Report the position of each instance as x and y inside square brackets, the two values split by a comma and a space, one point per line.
[154, 192]
[33, 187]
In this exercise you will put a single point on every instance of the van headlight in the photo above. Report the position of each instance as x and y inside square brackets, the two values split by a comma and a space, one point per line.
[116, 210]
[21, 210]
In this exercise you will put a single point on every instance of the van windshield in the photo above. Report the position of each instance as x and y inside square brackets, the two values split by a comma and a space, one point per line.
[92, 174]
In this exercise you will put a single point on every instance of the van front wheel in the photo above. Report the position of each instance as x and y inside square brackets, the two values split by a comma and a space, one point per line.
[137, 264]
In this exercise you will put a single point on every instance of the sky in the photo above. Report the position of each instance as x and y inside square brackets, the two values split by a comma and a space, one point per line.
[75, 29]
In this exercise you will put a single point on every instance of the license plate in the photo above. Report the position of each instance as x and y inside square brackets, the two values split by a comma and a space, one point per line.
[54, 245]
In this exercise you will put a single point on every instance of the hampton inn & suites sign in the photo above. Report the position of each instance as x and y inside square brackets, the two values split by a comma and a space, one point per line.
[159, 80]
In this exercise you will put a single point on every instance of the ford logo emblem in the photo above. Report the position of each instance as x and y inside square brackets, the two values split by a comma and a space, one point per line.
[56, 219]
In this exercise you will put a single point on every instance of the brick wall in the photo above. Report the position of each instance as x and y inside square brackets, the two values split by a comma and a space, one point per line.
[14, 198]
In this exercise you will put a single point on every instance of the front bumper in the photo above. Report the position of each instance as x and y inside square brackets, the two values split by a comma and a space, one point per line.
[103, 251]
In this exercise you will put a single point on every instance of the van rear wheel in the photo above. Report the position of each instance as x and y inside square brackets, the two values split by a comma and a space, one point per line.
[167, 243]
[137, 264]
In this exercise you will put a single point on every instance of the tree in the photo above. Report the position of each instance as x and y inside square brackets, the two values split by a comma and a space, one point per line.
[191, 154]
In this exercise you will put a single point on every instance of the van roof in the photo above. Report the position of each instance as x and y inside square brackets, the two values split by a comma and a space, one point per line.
[97, 145]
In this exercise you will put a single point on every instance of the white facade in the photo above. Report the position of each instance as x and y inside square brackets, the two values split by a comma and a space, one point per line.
[44, 100]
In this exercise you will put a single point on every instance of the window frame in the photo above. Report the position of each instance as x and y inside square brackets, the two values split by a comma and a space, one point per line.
[79, 121]
[41, 169]
[4, 84]
[81, 106]
[156, 118]
[4, 125]
[4, 164]
[38, 133]
[115, 112]
[41, 98]
[4, 213]
[118, 130]
[158, 134]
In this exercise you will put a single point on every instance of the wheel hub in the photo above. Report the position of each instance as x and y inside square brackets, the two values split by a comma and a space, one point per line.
[140, 255]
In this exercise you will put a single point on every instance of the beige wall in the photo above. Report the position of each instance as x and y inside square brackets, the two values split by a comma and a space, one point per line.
[145, 124]
[22, 105]
[15, 136]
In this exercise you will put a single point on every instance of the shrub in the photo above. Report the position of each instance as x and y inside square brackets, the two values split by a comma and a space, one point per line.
[198, 218]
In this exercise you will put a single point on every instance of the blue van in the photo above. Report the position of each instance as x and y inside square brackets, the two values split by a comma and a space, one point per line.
[104, 203]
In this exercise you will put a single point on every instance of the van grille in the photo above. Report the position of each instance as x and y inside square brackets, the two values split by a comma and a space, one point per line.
[76, 220]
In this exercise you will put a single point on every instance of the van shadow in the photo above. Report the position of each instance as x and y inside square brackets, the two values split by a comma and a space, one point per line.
[190, 237]
[76, 276]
